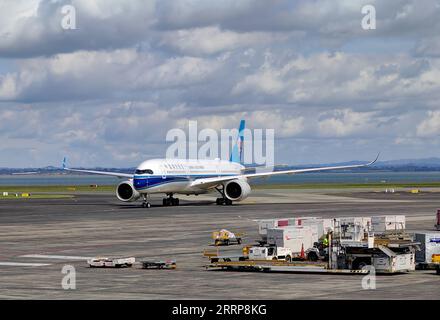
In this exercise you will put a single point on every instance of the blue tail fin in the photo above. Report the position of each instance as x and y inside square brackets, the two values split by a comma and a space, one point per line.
[237, 149]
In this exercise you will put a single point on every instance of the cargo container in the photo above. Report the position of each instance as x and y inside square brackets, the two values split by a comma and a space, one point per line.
[264, 225]
[388, 223]
[319, 226]
[429, 246]
[352, 228]
[296, 238]
[364, 222]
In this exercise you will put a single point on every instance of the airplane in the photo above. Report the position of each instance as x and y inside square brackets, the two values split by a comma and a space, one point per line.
[194, 177]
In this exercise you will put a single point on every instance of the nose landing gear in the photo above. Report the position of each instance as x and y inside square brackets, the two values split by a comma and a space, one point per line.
[145, 203]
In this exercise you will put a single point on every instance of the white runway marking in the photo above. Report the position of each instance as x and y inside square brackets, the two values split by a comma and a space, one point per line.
[23, 264]
[44, 256]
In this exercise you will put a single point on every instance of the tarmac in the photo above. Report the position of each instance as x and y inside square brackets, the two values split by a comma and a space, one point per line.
[38, 237]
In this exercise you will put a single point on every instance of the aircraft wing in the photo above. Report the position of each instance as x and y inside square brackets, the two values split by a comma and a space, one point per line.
[212, 182]
[105, 173]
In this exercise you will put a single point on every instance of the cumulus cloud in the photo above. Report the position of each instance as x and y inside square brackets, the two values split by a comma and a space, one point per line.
[92, 74]
[32, 28]
[345, 122]
[134, 69]
[430, 127]
[212, 40]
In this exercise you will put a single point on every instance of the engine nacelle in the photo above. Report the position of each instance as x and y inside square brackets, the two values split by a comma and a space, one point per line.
[126, 192]
[237, 190]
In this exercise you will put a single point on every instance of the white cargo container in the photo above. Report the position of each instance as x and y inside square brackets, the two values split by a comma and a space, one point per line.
[429, 245]
[363, 222]
[388, 223]
[352, 228]
[319, 226]
[264, 225]
[292, 237]
[315, 228]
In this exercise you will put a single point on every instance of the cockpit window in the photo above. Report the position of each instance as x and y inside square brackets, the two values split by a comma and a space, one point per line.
[146, 171]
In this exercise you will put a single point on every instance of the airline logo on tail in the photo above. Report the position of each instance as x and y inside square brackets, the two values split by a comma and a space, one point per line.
[237, 150]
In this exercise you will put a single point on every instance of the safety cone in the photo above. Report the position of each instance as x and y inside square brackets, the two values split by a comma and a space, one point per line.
[302, 254]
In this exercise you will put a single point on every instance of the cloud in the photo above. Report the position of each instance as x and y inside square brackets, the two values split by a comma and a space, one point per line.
[211, 40]
[346, 122]
[107, 92]
[33, 28]
[430, 127]
[99, 74]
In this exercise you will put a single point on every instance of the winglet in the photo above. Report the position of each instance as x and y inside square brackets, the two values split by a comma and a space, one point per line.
[370, 163]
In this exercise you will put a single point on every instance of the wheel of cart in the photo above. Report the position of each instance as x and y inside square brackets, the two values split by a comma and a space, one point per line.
[360, 263]
[312, 256]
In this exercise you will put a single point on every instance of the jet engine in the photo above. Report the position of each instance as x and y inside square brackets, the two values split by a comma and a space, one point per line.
[237, 190]
[126, 192]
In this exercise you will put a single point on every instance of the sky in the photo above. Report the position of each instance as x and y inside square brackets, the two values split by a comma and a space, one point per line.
[107, 92]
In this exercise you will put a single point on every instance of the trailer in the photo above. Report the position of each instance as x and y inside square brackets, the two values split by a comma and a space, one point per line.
[216, 255]
[149, 264]
[104, 262]
[279, 266]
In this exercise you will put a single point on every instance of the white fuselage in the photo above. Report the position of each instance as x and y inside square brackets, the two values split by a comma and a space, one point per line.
[176, 176]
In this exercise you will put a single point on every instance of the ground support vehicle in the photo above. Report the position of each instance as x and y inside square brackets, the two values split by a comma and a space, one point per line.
[225, 237]
[104, 262]
[270, 253]
[149, 264]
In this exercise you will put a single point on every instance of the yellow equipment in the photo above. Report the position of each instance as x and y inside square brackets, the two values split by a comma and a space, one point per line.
[225, 237]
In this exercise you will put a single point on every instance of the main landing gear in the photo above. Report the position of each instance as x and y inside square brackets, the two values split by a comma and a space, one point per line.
[223, 200]
[170, 201]
[145, 203]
